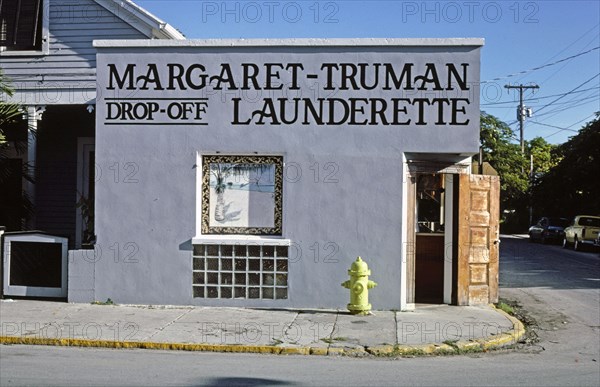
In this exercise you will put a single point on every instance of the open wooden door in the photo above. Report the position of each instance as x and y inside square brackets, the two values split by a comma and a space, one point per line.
[478, 240]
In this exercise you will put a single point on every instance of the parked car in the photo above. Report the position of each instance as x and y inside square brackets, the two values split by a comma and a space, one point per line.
[548, 230]
[583, 230]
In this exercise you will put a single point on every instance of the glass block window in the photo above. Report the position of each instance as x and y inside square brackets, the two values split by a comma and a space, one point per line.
[240, 271]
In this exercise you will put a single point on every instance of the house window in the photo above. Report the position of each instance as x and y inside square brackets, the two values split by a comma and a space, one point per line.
[243, 271]
[242, 195]
[21, 25]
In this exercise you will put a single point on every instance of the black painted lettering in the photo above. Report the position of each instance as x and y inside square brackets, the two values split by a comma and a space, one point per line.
[453, 73]
[440, 105]
[126, 111]
[316, 116]
[113, 75]
[343, 108]
[455, 110]
[151, 77]
[226, 76]
[268, 111]
[250, 73]
[329, 84]
[363, 75]
[293, 67]
[348, 76]
[399, 107]
[283, 108]
[355, 109]
[420, 102]
[176, 72]
[378, 112]
[200, 110]
[273, 76]
[236, 113]
[405, 77]
[430, 76]
[189, 74]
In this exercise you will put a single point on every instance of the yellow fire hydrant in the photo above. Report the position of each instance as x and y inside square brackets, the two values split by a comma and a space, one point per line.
[359, 284]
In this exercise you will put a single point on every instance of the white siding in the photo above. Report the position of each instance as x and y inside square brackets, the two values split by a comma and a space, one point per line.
[67, 75]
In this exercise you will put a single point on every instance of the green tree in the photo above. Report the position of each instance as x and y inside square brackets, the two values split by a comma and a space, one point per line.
[545, 156]
[500, 150]
[15, 205]
[572, 186]
[542, 157]
[9, 112]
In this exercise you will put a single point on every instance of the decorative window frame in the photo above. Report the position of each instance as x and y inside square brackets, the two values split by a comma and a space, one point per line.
[276, 160]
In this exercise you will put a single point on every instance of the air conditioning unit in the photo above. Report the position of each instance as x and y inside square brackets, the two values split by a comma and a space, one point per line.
[34, 264]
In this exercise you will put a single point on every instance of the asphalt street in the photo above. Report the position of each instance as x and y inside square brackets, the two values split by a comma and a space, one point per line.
[559, 288]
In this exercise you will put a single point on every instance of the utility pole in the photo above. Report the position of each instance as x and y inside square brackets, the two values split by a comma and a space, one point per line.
[522, 111]
[530, 183]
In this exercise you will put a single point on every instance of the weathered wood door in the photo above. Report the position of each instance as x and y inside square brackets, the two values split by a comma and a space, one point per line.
[478, 240]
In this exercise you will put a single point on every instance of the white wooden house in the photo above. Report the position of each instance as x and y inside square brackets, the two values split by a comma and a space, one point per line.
[47, 54]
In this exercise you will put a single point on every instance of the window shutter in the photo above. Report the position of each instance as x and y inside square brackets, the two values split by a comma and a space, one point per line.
[21, 24]
[8, 12]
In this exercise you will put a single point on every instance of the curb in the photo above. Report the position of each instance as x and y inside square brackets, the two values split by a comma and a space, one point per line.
[264, 349]
[510, 337]
[267, 349]
[497, 341]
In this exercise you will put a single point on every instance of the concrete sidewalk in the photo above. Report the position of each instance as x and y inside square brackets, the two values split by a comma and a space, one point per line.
[427, 329]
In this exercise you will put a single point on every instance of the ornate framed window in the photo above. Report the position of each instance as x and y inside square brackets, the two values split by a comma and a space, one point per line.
[242, 194]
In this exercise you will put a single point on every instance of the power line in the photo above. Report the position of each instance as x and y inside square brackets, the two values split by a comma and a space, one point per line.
[590, 43]
[561, 109]
[569, 92]
[570, 45]
[573, 43]
[567, 128]
[571, 103]
[568, 105]
[544, 97]
[586, 99]
[543, 66]
[553, 126]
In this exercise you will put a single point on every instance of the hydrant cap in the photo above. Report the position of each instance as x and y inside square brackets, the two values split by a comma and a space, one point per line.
[360, 267]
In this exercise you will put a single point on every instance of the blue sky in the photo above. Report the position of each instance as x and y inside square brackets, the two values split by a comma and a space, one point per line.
[562, 36]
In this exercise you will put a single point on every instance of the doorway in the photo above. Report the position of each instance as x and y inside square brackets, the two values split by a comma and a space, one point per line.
[452, 235]
[433, 215]
[86, 177]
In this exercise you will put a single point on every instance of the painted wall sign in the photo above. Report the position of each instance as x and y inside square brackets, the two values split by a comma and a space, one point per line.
[266, 166]
[388, 89]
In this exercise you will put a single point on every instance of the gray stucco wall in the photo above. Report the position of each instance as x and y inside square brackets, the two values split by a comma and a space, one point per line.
[146, 196]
